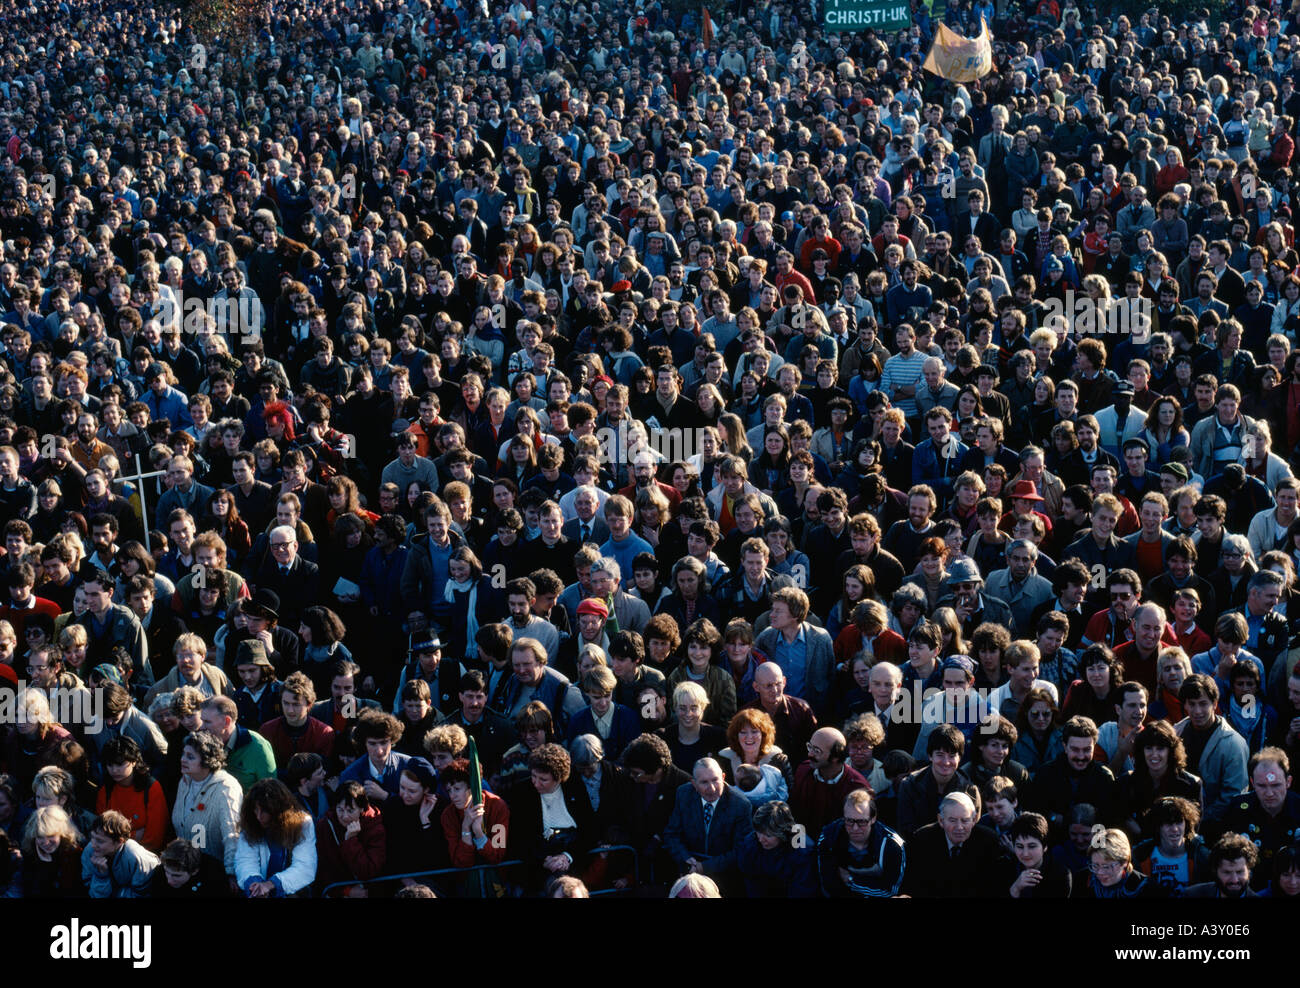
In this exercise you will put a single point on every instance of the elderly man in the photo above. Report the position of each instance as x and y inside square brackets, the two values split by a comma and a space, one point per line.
[585, 525]
[823, 781]
[1142, 652]
[1267, 631]
[952, 858]
[937, 391]
[794, 719]
[626, 613]
[293, 578]
[248, 755]
[1020, 585]
[709, 820]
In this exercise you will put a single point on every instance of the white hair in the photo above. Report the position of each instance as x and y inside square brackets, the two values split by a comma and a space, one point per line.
[959, 799]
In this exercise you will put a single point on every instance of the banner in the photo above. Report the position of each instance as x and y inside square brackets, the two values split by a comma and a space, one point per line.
[960, 59]
[884, 16]
[706, 30]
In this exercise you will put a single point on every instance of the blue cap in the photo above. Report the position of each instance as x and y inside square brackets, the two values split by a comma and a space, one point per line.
[787, 215]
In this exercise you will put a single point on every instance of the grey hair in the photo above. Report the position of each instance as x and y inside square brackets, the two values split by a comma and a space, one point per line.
[1266, 578]
[586, 749]
[1238, 542]
[162, 704]
[608, 564]
[959, 799]
[1025, 544]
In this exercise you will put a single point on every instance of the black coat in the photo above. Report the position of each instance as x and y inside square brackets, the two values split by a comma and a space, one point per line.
[1056, 789]
[933, 874]
[526, 842]
[298, 590]
[1056, 882]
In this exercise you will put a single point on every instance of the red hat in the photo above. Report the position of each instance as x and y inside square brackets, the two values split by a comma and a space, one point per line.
[593, 605]
[621, 286]
[1025, 490]
[8, 675]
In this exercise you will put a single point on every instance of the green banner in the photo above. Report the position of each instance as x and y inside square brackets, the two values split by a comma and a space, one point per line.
[885, 16]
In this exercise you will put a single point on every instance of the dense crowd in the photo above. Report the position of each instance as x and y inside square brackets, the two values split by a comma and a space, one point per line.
[482, 449]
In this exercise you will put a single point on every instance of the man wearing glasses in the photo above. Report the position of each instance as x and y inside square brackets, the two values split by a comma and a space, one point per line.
[823, 781]
[295, 580]
[859, 856]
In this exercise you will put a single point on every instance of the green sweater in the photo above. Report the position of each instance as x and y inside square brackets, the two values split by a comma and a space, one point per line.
[249, 757]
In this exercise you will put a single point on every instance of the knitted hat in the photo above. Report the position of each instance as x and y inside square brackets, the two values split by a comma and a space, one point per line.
[593, 605]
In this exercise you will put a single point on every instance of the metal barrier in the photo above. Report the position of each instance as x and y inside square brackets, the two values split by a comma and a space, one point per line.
[473, 869]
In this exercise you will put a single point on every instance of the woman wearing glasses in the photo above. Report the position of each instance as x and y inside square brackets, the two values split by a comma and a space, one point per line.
[1110, 861]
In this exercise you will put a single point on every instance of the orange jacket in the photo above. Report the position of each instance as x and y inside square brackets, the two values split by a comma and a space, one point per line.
[147, 811]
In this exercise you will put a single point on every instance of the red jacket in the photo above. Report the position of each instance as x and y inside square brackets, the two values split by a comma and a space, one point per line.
[361, 856]
[1283, 149]
[794, 277]
[147, 811]
[319, 738]
[495, 814]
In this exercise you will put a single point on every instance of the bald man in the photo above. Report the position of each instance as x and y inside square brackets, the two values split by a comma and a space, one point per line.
[822, 782]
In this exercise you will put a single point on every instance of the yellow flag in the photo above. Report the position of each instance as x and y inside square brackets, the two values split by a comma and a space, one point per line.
[960, 59]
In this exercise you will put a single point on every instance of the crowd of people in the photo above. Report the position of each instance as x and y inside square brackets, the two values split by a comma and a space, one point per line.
[471, 449]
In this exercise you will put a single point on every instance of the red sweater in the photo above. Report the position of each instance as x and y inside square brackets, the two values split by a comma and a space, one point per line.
[319, 738]
[815, 803]
[147, 815]
[495, 814]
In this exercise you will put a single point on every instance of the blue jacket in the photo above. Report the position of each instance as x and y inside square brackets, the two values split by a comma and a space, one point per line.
[625, 728]
[359, 771]
[782, 873]
[685, 836]
[195, 502]
[929, 468]
[381, 579]
[172, 405]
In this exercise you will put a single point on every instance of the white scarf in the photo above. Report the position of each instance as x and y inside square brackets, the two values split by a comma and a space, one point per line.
[471, 621]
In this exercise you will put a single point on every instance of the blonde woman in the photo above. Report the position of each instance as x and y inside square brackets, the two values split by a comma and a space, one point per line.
[52, 856]
[1110, 861]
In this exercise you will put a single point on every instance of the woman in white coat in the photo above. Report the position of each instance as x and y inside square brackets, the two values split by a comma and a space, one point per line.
[206, 811]
[276, 854]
